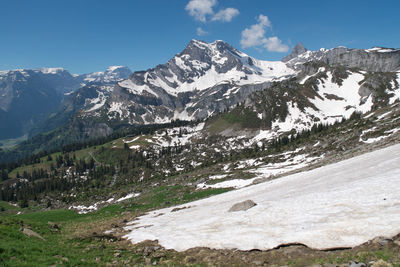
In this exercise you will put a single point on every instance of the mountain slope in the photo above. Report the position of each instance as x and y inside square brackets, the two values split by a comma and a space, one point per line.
[319, 115]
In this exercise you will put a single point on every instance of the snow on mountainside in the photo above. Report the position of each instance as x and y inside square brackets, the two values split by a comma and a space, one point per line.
[96, 88]
[324, 208]
[321, 92]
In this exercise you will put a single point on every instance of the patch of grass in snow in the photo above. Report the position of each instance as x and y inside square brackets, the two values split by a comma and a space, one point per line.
[166, 196]
[237, 118]
[204, 193]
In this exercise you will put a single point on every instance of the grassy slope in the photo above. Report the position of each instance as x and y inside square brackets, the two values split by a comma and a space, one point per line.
[80, 240]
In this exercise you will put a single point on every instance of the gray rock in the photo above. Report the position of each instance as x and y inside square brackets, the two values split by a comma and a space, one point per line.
[241, 206]
[381, 240]
[357, 264]
[29, 232]
[375, 61]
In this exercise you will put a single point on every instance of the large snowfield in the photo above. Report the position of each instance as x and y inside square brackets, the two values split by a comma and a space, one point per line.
[338, 205]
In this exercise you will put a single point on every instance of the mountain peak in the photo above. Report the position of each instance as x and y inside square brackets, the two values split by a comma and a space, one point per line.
[114, 68]
[196, 43]
[197, 48]
[297, 50]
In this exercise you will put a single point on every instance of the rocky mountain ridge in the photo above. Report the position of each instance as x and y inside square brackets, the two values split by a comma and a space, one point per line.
[376, 59]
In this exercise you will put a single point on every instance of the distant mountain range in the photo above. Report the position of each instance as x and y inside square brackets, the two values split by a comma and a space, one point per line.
[28, 97]
[205, 79]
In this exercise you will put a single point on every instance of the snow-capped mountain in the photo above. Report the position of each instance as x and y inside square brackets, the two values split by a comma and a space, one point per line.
[329, 85]
[204, 79]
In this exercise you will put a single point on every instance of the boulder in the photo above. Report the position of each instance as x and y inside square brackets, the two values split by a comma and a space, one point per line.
[245, 205]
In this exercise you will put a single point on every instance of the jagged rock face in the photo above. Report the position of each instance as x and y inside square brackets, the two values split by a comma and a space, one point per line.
[375, 59]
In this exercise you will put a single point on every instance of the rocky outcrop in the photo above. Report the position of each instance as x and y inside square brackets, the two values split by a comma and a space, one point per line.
[297, 50]
[374, 59]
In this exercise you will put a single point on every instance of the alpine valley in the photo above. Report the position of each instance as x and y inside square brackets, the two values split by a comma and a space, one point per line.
[135, 168]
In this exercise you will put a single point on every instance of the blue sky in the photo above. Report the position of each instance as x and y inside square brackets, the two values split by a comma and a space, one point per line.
[89, 35]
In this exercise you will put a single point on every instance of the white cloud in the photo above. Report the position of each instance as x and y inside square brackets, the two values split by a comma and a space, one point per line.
[199, 9]
[201, 32]
[273, 44]
[225, 15]
[203, 10]
[255, 37]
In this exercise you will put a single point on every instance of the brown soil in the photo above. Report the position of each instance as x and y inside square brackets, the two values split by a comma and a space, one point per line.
[377, 252]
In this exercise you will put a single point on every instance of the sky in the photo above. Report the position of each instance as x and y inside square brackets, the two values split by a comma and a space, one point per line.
[90, 35]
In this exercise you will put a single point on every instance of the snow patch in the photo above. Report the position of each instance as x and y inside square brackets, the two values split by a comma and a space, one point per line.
[322, 208]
